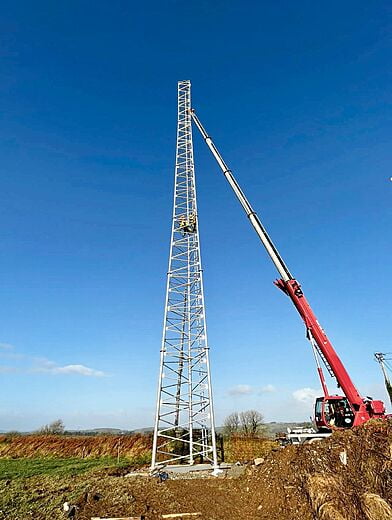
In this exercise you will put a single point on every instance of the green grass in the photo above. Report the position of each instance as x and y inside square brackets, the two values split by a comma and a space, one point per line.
[22, 468]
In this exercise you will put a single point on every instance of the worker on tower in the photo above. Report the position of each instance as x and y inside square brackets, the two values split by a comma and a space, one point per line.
[187, 225]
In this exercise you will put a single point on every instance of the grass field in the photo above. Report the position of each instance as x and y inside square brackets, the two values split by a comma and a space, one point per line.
[23, 468]
[37, 487]
[39, 473]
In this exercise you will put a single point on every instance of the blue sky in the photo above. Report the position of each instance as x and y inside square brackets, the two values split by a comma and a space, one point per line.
[297, 98]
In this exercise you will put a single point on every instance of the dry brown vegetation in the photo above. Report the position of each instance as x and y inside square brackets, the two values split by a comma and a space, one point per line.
[236, 448]
[130, 446]
[246, 449]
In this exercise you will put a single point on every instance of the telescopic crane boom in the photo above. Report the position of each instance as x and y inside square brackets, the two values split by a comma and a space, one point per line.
[331, 410]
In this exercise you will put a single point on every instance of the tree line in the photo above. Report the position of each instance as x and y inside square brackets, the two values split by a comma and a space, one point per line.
[249, 424]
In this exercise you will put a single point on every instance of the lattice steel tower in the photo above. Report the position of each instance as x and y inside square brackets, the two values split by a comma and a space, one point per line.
[184, 425]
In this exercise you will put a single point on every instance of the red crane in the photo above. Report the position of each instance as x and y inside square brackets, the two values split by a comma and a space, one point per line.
[331, 411]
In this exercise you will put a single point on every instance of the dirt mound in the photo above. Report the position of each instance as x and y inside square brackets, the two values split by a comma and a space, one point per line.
[344, 477]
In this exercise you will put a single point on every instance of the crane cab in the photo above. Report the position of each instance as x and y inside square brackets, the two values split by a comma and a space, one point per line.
[333, 412]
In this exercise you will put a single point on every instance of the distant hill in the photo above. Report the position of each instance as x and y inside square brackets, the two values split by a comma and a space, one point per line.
[276, 427]
[272, 429]
[100, 431]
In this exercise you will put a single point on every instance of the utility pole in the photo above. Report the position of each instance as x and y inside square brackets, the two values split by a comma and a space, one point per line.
[184, 430]
[383, 359]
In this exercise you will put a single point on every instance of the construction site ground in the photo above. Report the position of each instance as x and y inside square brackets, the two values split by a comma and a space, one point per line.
[345, 477]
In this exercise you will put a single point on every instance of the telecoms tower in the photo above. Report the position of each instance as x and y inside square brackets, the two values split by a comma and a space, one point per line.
[184, 425]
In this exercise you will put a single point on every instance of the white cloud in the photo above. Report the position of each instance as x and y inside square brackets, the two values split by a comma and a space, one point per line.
[267, 389]
[241, 390]
[79, 369]
[306, 395]
[50, 367]
[6, 369]
[7, 351]
[6, 346]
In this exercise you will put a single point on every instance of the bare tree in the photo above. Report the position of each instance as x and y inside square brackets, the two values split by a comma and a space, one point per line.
[54, 428]
[231, 424]
[251, 423]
